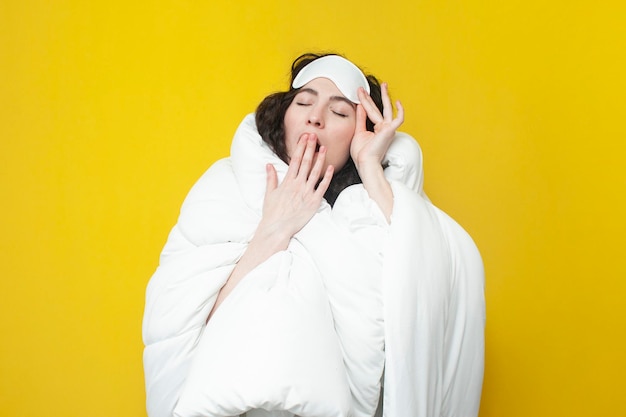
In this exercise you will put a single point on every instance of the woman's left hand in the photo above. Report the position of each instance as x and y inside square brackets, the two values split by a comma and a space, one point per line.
[369, 148]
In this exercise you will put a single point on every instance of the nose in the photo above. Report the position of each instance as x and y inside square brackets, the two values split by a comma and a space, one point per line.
[315, 117]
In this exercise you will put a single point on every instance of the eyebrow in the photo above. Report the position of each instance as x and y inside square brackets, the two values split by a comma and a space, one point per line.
[332, 98]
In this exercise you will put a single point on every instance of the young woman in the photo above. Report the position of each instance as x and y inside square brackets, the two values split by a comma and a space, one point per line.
[308, 270]
[322, 131]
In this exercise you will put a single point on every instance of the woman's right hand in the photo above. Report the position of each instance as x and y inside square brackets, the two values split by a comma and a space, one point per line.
[289, 206]
[286, 209]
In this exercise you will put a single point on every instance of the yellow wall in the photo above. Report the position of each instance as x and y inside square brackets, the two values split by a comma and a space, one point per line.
[109, 111]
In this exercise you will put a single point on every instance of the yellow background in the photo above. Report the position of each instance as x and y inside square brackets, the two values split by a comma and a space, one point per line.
[110, 110]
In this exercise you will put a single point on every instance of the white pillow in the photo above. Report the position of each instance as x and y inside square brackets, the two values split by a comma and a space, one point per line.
[271, 345]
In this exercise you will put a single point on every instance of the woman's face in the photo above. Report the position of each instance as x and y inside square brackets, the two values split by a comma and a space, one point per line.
[321, 109]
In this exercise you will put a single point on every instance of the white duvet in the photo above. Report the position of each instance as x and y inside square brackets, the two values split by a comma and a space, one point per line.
[353, 304]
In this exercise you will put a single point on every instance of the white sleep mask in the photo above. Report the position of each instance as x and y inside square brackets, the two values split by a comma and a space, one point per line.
[346, 76]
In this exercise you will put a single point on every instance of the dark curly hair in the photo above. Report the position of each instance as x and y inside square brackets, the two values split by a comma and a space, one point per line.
[270, 117]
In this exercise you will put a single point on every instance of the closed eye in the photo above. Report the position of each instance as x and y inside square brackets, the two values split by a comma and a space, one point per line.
[340, 114]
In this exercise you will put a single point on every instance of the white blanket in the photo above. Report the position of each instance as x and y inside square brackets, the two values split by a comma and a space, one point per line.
[310, 331]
